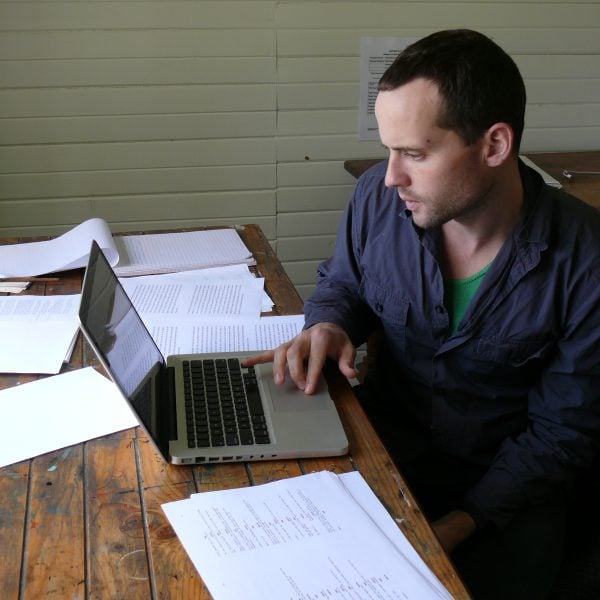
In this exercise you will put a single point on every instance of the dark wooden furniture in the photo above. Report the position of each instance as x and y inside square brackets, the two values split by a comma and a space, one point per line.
[582, 185]
[86, 521]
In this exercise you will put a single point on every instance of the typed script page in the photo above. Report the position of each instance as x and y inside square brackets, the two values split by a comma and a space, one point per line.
[301, 538]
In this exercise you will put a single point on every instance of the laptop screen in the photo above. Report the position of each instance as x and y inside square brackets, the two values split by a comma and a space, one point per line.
[120, 338]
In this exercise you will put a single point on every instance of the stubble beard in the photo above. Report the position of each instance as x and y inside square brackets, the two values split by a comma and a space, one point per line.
[436, 214]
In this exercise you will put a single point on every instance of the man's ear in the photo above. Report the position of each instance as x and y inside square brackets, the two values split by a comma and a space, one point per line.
[499, 139]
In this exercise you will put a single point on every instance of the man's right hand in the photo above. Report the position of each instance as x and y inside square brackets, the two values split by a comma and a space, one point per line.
[305, 355]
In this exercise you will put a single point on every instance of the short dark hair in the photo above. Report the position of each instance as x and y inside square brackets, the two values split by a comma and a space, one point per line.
[478, 81]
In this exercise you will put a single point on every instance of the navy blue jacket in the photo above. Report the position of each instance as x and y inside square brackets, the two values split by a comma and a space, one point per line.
[517, 387]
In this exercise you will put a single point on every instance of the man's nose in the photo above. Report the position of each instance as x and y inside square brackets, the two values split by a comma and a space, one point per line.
[396, 175]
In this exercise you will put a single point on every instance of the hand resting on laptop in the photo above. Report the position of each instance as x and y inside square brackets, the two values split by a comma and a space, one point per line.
[305, 355]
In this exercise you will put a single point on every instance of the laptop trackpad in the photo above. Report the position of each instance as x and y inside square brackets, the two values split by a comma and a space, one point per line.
[288, 398]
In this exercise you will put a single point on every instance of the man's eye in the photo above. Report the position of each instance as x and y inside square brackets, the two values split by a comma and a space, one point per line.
[414, 155]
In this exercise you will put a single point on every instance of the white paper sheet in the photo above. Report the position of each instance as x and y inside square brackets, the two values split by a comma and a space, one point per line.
[39, 308]
[36, 347]
[376, 55]
[161, 299]
[59, 411]
[129, 255]
[363, 494]
[303, 537]
[224, 274]
[231, 336]
[37, 332]
[68, 251]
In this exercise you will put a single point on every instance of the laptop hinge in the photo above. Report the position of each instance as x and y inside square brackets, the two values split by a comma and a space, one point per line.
[167, 411]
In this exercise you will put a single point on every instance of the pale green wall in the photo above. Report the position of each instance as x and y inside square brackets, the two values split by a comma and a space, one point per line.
[168, 113]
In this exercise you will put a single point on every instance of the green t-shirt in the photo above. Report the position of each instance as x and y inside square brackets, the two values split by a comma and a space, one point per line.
[458, 293]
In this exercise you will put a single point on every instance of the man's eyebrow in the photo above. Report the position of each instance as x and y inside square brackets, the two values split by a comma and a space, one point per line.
[404, 148]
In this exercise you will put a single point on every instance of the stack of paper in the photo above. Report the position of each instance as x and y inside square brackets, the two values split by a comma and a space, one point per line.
[130, 255]
[14, 287]
[191, 295]
[213, 310]
[38, 332]
[314, 536]
[168, 252]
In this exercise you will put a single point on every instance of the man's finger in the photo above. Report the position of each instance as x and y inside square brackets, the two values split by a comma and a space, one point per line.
[296, 356]
[279, 363]
[316, 361]
[259, 359]
[347, 360]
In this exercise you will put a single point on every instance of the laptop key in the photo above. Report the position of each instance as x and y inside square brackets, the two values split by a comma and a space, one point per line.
[246, 437]
[232, 439]
[254, 402]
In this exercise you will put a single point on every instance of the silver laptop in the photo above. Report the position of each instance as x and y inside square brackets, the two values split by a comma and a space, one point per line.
[201, 408]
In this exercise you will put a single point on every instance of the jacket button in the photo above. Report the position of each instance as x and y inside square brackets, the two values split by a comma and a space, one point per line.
[379, 307]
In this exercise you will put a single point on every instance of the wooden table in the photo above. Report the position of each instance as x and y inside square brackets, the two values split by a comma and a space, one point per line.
[583, 185]
[86, 521]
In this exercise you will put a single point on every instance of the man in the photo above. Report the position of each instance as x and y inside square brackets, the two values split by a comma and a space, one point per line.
[486, 285]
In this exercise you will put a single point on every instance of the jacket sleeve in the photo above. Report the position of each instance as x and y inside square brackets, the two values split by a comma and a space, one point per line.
[337, 296]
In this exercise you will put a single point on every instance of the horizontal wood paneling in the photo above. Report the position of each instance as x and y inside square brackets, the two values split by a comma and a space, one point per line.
[136, 128]
[149, 114]
[303, 198]
[550, 65]
[562, 91]
[158, 113]
[440, 15]
[142, 155]
[302, 272]
[317, 173]
[34, 74]
[174, 14]
[308, 96]
[139, 181]
[136, 100]
[564, 115]
[321, 148]
[323, 69]
[319, 122]
[305, 248]
[566, 139]
[522, 38]
[304, 291]
[307, 224]
[210, 205]
[126, 43]
[267, 224]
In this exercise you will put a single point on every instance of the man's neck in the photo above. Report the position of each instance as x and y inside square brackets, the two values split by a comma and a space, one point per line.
[469, 244]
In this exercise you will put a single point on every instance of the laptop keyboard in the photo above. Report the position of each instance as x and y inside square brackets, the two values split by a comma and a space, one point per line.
[222, 404]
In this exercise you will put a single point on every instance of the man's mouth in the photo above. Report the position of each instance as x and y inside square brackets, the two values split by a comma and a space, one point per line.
[410, 203]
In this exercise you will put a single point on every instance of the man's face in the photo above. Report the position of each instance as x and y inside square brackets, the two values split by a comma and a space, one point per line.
[437, 176]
